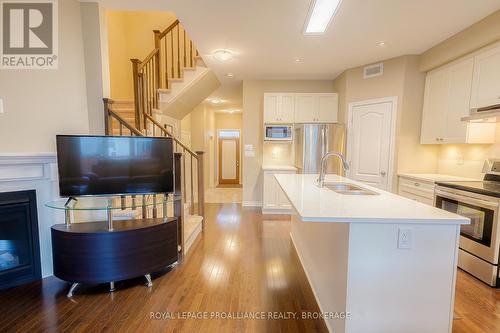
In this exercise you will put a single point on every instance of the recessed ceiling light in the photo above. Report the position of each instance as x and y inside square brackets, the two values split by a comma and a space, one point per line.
[320, 16]
[215, 100]
[230, 110]
[298, 60]
[223, 55]
[381, 43]
[230, 75]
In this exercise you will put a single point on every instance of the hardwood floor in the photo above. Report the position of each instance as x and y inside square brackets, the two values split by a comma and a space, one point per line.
[477, 306]
[242, 263]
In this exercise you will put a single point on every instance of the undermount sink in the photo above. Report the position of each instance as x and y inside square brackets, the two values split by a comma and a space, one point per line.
[346, 188]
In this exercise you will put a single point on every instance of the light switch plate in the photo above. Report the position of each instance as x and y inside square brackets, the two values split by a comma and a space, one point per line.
[1, 106]
[405, 238]
[250, 153]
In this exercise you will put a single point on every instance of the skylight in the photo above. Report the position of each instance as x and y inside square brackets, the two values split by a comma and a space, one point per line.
[320, 15]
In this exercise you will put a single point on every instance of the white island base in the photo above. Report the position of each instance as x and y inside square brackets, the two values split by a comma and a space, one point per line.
[363, 268]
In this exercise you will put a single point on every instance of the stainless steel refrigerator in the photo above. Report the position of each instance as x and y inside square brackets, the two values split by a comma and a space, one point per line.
[312, 141]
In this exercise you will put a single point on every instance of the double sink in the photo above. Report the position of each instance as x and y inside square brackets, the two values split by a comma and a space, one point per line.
[347, 188]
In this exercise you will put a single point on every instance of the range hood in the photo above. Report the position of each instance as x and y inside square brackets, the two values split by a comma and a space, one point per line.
[486, 114]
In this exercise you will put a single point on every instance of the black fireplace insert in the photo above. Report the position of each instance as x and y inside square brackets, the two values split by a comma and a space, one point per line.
[19, 241]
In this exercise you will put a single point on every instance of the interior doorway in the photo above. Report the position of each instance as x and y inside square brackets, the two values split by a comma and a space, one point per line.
[229, 157]
[370, 141]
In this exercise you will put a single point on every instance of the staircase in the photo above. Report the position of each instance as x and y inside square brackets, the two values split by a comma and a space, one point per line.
[171, 80]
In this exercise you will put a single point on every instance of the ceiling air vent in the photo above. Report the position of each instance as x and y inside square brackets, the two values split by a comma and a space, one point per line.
[373, 70]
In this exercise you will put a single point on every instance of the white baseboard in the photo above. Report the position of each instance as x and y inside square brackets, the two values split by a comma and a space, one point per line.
[276, 211]
[192, 238]
[251, 203]
[310, 283]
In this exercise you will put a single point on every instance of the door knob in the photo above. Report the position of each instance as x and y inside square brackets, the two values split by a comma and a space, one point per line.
[382, 173]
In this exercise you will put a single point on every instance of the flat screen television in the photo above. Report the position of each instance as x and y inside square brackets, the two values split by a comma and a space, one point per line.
[114, 165]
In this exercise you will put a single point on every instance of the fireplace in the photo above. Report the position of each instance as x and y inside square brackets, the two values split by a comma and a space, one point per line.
[19, 244]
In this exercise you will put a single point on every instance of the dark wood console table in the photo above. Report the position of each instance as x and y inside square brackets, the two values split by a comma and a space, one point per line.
[91, 253]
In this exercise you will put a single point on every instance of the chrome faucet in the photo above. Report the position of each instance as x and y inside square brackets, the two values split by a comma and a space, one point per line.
[321, 178]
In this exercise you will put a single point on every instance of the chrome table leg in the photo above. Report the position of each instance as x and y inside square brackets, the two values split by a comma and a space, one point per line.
[148, 278]
[112, 286]
[72, 289]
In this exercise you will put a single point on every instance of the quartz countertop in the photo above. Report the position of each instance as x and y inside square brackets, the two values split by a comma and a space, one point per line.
[436, 177]
[314, 204]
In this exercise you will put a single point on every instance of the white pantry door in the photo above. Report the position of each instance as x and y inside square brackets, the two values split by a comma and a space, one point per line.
[370, 141]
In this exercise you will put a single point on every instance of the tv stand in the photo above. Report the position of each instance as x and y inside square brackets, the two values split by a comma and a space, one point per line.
[107, 251]
[89, 253]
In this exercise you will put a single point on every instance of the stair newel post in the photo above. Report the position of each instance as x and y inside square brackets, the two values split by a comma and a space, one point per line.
[179, 200]
[108, 125]
[137, 94]
[201, 186]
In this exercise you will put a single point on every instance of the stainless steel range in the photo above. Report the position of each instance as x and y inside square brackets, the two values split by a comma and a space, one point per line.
[479, 241]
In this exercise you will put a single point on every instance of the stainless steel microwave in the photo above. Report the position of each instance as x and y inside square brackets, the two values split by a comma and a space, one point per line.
[278, 132]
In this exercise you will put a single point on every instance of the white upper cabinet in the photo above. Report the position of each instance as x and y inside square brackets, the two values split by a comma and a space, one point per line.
[304, 108]
[446, 101]
[435, 105]
[316, 108]
[279, 108]
[328, 107]
[287, 110]
[486, 81]
[459, 85]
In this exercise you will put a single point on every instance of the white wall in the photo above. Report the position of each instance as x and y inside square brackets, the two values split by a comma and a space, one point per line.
[42, 103]
[401, 78]
[95, 54]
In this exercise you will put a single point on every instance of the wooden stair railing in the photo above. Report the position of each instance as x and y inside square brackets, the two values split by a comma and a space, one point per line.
[174, 51]
[154, 128]
[111, 119]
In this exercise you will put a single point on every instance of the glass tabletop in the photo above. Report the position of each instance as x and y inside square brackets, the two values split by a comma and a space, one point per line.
[116, 202]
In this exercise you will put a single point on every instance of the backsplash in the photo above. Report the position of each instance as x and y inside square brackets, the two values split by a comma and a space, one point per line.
[465, 160]
[278, 153]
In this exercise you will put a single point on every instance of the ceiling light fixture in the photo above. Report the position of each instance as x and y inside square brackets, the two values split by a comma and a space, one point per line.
[215, 100]
[223, 55]
[381, 43]
[230, 75]
[298, 60]
[320, 16]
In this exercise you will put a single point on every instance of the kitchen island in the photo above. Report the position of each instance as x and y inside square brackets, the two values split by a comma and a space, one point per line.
[387, 262]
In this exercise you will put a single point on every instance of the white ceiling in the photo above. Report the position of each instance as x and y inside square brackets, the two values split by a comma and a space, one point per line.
[266, 35]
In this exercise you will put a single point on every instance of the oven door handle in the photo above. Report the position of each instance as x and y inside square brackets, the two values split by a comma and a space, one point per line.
[466, 199]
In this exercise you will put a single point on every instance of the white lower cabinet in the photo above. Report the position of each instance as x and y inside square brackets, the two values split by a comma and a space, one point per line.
[417, 190]
[274, 199]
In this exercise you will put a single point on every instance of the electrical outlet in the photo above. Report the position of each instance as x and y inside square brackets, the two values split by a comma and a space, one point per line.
[405, 238]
